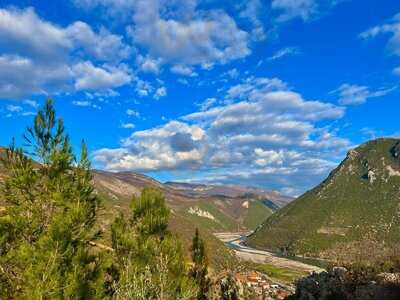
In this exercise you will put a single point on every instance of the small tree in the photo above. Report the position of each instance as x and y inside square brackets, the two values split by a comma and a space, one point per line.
[149, 258]
[199, 269]
[50, 212]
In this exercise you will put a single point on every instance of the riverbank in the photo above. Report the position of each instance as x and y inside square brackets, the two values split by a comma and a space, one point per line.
[235, 241]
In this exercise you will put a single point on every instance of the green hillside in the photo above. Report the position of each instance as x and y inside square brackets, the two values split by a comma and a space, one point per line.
[359, 201]
[257, 211]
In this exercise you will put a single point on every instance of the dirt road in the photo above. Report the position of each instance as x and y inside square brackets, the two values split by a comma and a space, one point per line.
[233, 241]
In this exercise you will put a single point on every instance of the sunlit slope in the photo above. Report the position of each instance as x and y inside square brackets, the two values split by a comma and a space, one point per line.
[359, 200]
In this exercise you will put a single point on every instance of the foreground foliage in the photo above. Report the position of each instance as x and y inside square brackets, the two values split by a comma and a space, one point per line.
[150, 259]
[49, 247]
[50, 212]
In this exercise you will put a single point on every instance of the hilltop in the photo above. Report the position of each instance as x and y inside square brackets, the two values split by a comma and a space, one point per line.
[358, 203]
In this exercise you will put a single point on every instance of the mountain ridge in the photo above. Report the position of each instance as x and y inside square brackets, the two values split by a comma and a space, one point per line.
[358, 201]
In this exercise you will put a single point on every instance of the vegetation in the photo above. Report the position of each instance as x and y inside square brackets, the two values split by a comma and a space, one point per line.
[150, 260]
[50, 211]
[49, 248]
[256, 214]
[358, 202]
[221, 221]
[277, 273]
[199, 269]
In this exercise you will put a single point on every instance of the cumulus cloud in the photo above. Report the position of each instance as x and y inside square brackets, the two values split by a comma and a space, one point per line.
[160, 92]
[171, 146]
[149, 65]
[179, 34]
[183, 70]
[38, 57]
[262, 133]
[352, 94]
[90, 77]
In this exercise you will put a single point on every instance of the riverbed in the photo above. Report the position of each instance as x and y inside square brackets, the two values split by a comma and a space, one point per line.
[234, 241]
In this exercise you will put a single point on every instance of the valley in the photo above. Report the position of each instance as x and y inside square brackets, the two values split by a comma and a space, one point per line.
[236, 240]
[351, 216]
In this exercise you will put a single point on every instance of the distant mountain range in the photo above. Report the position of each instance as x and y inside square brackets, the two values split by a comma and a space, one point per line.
[215, 207]
[271, 198]
[208, 207]
[359, 201]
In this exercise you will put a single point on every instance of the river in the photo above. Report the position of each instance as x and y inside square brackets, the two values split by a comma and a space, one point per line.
[235, 240]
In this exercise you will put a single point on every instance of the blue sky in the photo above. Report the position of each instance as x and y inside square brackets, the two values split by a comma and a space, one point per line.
[255, 92]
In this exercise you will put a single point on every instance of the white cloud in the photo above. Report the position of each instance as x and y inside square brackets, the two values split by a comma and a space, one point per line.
[52, 55]
[232, 73]
[128, 125]
[103, 46]
[149, 65]
[31, 103]
[206, 104]
[160, 92]
[391, 28]
[306, 10]
[183, 70]
[174, 145]
[132, 113]
[43, 78]
[14, 108]
[85, 103]
[352, 94]
[252, 11]
[18, 110]
[181, 33]
[178, 34]
[288, 51]
[290, 9]
[82, 103]
[90, 77]
[264, 134]
[143, 88]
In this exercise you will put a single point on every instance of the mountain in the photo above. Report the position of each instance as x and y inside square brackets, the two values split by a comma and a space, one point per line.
[210, 213]
[216, 208]
[272, 198]
[358, 202]
[191, 207]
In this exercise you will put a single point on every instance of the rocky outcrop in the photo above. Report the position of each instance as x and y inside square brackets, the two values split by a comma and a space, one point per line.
[339, 283]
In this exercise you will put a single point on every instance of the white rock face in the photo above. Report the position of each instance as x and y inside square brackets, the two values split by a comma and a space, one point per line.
[392, 172]
[201, 213]
[371, 176]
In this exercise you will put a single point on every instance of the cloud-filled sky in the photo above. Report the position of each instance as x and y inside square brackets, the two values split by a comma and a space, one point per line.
[269, 93]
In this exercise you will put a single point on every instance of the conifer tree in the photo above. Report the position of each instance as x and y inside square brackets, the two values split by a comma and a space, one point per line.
[149, 258]
[50, 212]
[199, 269]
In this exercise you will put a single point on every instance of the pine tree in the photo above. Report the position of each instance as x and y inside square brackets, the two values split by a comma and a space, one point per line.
[199, 270]
[49, 218]
[150, 260]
